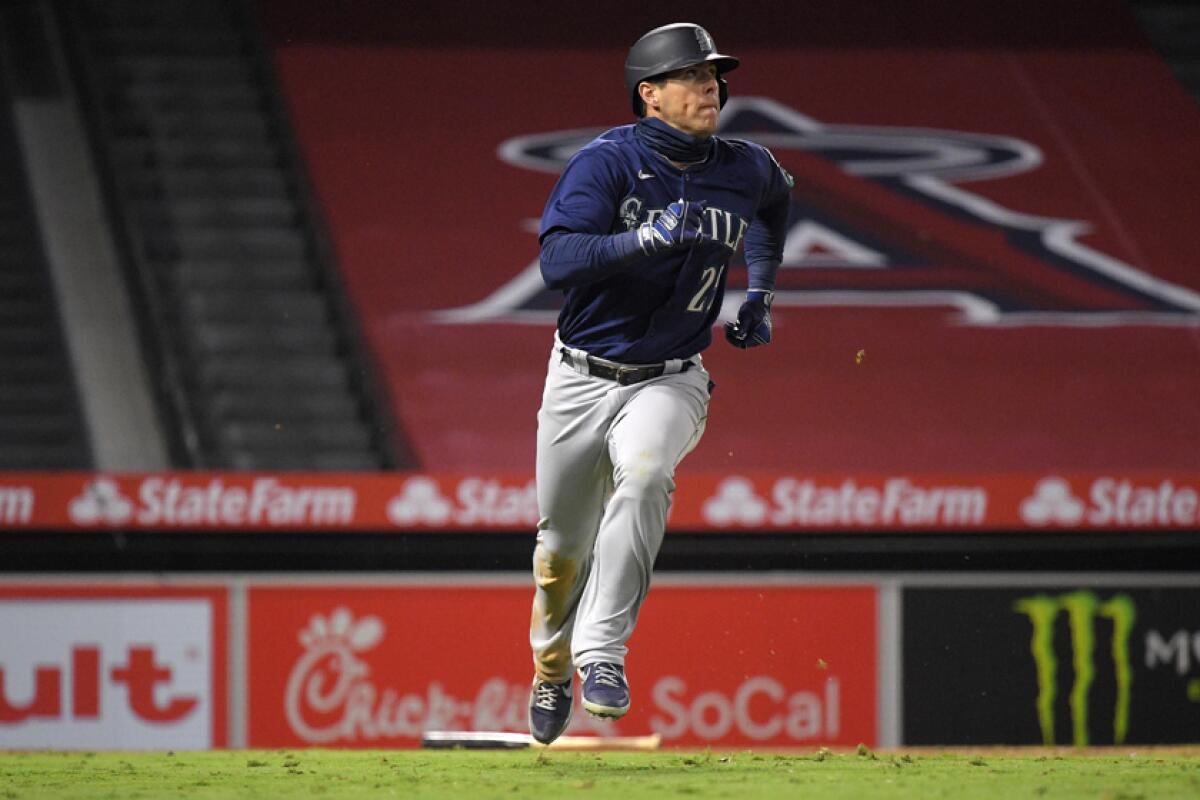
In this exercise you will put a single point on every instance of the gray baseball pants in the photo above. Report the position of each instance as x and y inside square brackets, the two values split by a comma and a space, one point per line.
[606, 459]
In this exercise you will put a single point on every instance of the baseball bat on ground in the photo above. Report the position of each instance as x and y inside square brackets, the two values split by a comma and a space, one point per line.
[489, 740]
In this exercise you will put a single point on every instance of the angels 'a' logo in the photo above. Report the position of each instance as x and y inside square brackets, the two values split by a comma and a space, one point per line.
[880, 217]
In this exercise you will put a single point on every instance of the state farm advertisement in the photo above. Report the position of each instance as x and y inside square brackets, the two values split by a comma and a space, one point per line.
[487, 501]
[112, 668]
[720, 665]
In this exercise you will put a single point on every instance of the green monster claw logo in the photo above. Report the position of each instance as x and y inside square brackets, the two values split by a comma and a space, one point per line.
[1082, 608]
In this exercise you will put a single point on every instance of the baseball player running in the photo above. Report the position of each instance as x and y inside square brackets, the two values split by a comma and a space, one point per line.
[637, 233]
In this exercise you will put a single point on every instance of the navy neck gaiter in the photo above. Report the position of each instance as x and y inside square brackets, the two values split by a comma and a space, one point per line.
[671, 142]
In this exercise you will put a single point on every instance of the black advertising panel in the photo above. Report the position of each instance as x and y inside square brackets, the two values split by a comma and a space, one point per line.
[1063, 665]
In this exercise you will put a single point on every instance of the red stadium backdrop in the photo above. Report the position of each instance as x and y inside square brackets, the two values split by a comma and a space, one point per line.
[991, 269]
[988, 315]
[364, 666]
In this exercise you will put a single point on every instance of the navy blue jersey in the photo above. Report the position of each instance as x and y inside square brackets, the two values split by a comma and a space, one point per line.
[662, 306]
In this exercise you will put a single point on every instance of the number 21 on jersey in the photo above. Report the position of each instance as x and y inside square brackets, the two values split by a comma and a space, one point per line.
[709, 280]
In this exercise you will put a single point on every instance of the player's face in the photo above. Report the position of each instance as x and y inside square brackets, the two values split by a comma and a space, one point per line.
[687, 99]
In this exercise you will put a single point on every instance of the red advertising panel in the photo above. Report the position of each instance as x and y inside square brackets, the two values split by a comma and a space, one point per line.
[112, 667]
[504, 501]
[720, 665]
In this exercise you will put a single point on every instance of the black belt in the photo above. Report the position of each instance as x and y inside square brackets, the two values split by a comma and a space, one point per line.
[624, 374]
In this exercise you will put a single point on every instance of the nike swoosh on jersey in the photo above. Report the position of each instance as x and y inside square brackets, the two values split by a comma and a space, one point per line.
[644, 175]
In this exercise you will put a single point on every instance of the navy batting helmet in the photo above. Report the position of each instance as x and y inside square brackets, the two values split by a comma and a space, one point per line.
[669, 48]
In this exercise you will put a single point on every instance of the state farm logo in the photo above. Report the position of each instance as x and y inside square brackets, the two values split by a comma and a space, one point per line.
[420, 501]
[164, 500]
[101, 502]
[331, 697]
[896, 502]
[735, 503]
[1112, 502]
[476, 501]
[1052, 502]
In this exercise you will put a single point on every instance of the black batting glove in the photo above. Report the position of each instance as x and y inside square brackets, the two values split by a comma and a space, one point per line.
[753, 325]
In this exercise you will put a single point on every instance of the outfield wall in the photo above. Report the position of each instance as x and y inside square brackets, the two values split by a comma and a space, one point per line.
[718, 660]
[483, 501]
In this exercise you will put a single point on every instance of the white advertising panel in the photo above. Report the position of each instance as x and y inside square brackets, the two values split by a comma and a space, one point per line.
[106, 673]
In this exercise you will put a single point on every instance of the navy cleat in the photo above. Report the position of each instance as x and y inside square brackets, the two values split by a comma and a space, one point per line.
[550, 707]
[605, 690]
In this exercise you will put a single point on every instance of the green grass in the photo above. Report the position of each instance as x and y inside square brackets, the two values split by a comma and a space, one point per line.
[333, 775]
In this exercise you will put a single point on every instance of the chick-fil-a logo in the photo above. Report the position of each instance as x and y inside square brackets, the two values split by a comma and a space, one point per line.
[328, 674]
[330, 699]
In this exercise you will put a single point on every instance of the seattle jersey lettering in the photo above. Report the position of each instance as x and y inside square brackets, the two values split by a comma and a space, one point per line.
[720, 225]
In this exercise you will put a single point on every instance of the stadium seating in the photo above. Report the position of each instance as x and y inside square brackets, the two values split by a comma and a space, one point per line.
[1173, 28]
[41, 421]
[245, 317]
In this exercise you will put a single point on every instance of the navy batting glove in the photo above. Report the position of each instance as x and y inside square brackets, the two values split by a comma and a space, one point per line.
[753, 326]
[677, 227]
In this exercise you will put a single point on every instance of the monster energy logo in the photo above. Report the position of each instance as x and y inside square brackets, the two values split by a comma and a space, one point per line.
[1082, 608]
